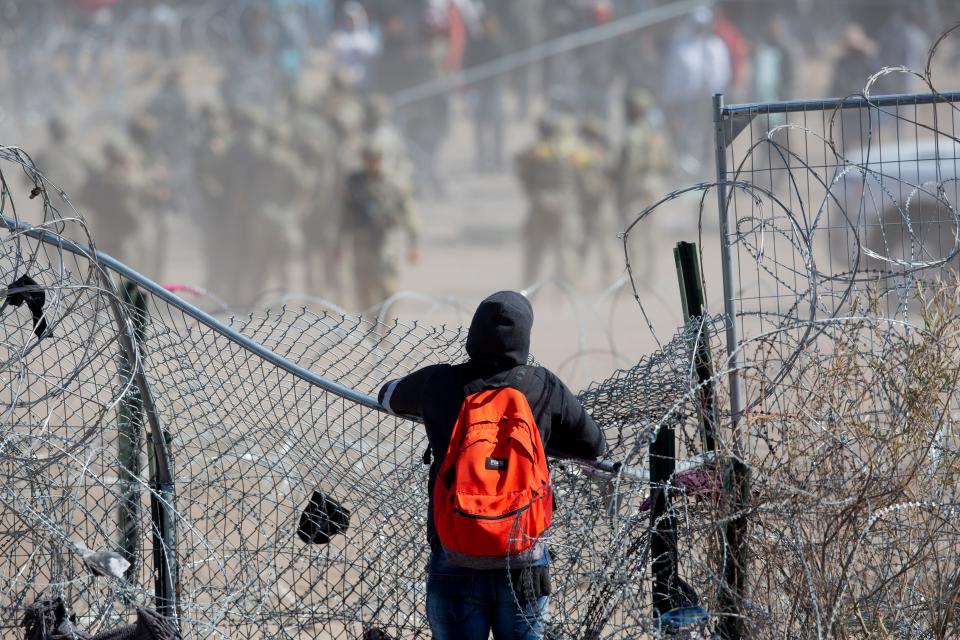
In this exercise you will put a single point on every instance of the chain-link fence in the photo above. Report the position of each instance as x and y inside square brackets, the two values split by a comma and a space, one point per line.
[839, 233]
[252, 420]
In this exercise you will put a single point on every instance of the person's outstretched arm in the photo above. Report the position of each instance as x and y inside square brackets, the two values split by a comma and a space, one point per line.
[573, 432]
[404, 396]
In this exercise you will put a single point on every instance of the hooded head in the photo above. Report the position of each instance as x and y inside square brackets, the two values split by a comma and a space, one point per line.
[500, 330]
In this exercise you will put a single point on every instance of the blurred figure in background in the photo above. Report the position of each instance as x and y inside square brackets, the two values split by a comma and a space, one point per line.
[375, 212]
[342, 109]
[153, 171]
[644, 162]
[60, 161]
[905, 43]
[426, 124]
[855, 63]
[210, 170]
[547, 174]
[397, 65]
[114, 198]
[314, 142]
[380, 132]
[244, 201]
[773, 63]
[282, 181]
[736, 44]
[354, 46]
[523, 25]
[593, 170]
[698, 66]
[774, 77]
[173, 127]
[595, 66]
[485, 98]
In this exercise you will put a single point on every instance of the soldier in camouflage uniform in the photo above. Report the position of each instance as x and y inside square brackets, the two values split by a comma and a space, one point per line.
[61, 162]
[115, 198]
[210, 167]
[153, 171]
[237, 275]
[315, 145]
[343, 111]
[642, 167]
[547, 173]
[376, 211]
[283, 180]
[380, 132]
[593, 171]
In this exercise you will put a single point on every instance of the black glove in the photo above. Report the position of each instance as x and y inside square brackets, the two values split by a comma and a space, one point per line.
[323, 518]
[531, 583]
[34, 299]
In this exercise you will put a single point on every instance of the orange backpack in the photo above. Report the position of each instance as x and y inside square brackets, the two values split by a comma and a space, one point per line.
[492, 499]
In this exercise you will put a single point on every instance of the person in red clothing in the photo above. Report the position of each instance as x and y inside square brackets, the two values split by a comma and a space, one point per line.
[724, 29]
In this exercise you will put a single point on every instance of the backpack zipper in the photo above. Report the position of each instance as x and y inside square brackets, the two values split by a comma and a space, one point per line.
[458, 512]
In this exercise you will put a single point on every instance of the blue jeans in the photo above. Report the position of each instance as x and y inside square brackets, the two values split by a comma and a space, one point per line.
[467, 604]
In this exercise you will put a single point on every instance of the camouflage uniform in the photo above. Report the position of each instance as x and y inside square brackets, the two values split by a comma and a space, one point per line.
[644, 163]
[152, 168]
[344, 113]
[375, 211]
[284, 184]
[60, 162]
[211, 173]
[315, 145]
[114, 197]
[378, 131]
[237, 275]
[593, 171]
[547, 173]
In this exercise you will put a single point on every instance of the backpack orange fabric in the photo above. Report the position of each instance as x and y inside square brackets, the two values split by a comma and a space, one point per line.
[492, 497]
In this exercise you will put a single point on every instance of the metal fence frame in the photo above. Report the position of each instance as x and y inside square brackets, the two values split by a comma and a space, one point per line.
[729, 122]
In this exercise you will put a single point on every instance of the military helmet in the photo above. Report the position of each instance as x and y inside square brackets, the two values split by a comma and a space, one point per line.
[638, 103]
[371, 149]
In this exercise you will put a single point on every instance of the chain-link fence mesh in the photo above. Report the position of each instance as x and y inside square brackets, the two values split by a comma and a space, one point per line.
[250, 444]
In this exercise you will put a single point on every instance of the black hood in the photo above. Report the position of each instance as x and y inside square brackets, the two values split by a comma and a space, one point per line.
[500, 330]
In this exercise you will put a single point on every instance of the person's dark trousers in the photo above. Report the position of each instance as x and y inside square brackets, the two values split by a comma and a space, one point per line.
[466, 604]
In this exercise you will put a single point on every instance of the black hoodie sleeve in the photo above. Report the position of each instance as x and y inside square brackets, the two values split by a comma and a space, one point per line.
[404, 396]
[573, 433]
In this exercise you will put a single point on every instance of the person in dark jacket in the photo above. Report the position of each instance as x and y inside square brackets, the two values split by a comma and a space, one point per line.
[463, 603]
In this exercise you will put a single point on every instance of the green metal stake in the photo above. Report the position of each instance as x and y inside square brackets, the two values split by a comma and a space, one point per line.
[130, 441]
[693, 299]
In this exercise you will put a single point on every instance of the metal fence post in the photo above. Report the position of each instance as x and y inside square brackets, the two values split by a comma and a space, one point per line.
[693, 299]
[663, 525]
[162, 493]
[736, 482]
[130, 441]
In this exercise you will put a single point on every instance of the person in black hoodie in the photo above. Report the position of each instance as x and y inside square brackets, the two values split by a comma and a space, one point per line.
[463, 603]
